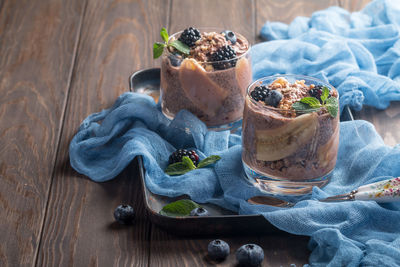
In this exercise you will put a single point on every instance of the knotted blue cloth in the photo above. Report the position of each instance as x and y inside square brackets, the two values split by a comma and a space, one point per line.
[342, 234]
[358, 53]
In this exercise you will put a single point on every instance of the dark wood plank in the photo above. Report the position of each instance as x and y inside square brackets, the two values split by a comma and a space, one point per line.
[353, 5]
[116, 40]
[386, 122]
[286, 10]
[235, 15]
[37, 44]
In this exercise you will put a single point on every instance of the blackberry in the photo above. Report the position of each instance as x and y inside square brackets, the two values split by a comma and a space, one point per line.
[178, 154]
[223, 53]
[259, 93]
[317, 92]
[189, 36]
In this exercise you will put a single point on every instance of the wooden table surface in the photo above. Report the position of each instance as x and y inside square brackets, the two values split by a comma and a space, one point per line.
[63, 60]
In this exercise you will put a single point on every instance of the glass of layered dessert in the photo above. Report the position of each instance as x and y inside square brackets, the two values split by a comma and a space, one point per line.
[290, 134]
[210, 80]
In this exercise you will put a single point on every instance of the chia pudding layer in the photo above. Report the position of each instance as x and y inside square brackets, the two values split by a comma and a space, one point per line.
[282, 143]
[212, 90]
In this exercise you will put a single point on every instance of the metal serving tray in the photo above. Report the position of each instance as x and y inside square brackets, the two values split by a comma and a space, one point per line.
[221, 221]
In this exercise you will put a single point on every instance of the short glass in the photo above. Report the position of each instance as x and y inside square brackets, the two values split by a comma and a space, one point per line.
[286, 152]
[214, 94]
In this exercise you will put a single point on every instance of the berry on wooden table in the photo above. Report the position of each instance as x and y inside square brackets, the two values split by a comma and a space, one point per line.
[124, 214]
[218, 250]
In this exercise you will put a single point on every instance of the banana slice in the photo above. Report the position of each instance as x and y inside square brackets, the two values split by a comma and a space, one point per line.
[199, 88]
[327, 153]
[281, 142]
[243, 74]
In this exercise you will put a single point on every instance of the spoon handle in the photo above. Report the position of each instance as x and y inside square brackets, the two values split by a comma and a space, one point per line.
[380, 195]
[381, 185]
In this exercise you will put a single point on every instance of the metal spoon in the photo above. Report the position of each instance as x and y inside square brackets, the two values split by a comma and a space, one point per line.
[381, 192]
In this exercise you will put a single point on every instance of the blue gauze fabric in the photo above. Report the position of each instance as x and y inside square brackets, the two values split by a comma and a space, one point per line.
[358, 53]
[342, 234]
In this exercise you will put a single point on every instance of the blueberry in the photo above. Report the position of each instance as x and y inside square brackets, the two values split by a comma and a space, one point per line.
[199, 212]
[230, 36]
[124, 214]
[218, 250]
[273, 98]
[250, 255]
[175, 60]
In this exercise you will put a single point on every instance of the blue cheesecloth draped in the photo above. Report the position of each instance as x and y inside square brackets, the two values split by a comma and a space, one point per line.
[359, 54]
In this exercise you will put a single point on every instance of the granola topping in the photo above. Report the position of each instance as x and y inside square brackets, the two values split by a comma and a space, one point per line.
[210, 42]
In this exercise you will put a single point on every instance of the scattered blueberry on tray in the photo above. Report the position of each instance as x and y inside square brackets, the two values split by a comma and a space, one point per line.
[199, 212]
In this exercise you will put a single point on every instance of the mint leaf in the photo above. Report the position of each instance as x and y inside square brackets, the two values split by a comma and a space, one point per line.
[311, 101]
[179, 208]
[303, 108]
[332, 105]
[208, 161]
[188, 163]
[177, 168]
[299, 106]
[325, 94]
[164, 34]
[181, 47]
[158, 49]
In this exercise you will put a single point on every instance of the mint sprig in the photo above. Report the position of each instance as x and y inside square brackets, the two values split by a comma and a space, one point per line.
[158, 47]
[179, 208]
[187, 165]
[310, 104]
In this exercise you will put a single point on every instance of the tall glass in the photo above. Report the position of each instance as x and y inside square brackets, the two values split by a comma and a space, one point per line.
[213, 91]
[287, 152]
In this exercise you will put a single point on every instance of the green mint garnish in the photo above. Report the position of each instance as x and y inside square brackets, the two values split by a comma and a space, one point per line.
[164, 34]
[208, 161]
[311, 101]
[158, 47]
[181, 47]
[311, 104]
[187, 165]
[325, 94]
[179, 168]
[179, 208]
[332, 106]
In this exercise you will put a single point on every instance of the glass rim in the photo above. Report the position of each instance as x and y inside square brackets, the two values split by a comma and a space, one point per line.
[298, 77]
[211, 29]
